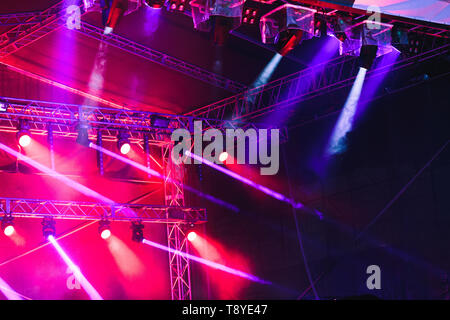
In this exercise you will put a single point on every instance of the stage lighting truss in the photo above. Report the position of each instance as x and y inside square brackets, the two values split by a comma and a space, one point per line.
[287, 18]
[82, 122]
[84, 211]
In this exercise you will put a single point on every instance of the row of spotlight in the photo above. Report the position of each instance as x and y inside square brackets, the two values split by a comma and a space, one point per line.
[104, 229]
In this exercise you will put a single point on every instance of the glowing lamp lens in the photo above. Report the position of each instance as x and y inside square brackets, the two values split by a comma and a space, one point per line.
[25, 140]
[223, 156]
[125, 148]
[105, 234]
[9, 230]
[192, 236]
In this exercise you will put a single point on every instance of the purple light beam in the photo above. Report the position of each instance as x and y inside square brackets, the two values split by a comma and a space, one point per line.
[346, 118]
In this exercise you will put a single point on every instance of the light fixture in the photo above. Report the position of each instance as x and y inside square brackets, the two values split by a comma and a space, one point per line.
[48, 227]
[286, 26]
[137, 231]
[366, 40]
[83, 134]
[367, 56]
[7, 225]
[320, 27]
[223, 156]
[123, 143]
[155, 4]
[191, 236]
[104, 229]
[114, 10]
[288, 40]
[23, 134]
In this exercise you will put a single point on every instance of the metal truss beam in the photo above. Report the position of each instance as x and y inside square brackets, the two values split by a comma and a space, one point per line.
[300, 86]
[73, 210]
[64, 119]
[180, 279]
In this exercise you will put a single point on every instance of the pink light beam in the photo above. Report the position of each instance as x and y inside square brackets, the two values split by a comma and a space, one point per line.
[208, 263]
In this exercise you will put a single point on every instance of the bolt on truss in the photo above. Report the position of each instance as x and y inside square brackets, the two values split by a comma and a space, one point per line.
[64, 119]
[75, 210]
[42, 23]
[303, 85]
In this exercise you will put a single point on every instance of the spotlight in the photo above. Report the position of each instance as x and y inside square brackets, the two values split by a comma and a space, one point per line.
[222, 28]
[320, 27]
[288, 40]
[155, 4]
[137, 231]
[192, 236]
[123, 144]
[223, 156]
[287, 25]
[104, 229]
[159, 122]
[23, 135]
[7, 225]
[114, 13]
[83, 135]
[177, 5]
[367, 56]
[48, 227]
